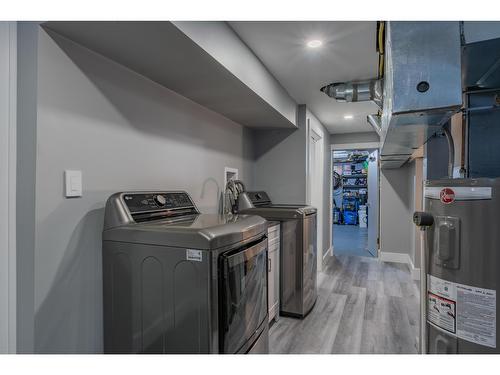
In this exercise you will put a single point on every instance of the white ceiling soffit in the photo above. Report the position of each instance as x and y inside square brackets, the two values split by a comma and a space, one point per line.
[348, 53]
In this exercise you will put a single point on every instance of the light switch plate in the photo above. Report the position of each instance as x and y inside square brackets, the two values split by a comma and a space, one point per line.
[73, 183]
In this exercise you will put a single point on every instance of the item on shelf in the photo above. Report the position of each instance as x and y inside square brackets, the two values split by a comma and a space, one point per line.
[350, 217]
[363, 196]
[351, 181]
[337, 216]
[352, 171]
[362, 216]
[337, 181]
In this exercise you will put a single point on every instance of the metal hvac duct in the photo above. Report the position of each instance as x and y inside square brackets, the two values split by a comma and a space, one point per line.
[355, 91]
[420, 91]
[422, 85]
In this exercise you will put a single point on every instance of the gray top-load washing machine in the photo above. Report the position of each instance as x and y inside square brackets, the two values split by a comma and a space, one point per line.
[298, 253]
[177, 281]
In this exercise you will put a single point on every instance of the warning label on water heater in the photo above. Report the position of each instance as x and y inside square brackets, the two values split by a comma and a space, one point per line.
[442, 312]
[465, 311]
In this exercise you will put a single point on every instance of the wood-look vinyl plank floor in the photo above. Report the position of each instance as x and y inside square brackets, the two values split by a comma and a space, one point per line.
[364, 306]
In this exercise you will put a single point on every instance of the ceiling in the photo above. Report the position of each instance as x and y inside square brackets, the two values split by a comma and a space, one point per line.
[348, 53]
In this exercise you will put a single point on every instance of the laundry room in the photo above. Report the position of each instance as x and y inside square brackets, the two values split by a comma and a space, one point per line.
[232, 186]
[120, 131]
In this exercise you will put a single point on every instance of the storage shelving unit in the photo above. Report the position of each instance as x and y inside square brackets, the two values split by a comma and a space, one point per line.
[354, 186]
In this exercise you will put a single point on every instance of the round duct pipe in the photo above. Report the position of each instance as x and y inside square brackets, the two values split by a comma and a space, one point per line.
[355, 91]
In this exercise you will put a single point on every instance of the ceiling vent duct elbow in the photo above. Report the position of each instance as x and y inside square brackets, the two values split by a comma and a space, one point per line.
[356, 91]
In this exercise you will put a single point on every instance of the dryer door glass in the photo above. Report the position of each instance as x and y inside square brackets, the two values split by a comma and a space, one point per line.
[243, 297]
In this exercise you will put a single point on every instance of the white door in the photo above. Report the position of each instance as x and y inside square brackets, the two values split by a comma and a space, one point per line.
[315, 188]
[373, 199]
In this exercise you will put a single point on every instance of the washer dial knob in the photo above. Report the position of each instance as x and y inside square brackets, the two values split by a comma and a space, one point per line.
[160, 200]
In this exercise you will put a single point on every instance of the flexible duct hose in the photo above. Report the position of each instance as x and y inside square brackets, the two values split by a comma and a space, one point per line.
[451, 149]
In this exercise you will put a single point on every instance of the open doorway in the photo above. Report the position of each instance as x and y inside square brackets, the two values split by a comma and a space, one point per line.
[355, 202]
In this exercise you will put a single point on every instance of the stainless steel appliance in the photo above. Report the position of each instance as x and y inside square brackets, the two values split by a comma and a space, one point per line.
[462, 259]
[298, 252]
[177, 281]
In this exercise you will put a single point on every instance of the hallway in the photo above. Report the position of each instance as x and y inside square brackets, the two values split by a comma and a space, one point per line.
[350, 240]
[364, 306]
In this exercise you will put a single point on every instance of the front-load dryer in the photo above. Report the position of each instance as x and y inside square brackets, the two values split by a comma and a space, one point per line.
[177, 281]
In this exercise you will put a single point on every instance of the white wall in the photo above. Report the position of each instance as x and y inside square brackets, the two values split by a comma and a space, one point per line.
[124, 132]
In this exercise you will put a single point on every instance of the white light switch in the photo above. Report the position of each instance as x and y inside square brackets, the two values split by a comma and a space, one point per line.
[73, 183]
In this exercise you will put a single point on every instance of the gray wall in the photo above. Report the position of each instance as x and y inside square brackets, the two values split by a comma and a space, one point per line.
[124, 132]
[27, 36]
[280, 163]
[346, 138]
[220, 41]
[411, 209]
[79, 110]
[395, 210]
[7, 187]
[436, 151]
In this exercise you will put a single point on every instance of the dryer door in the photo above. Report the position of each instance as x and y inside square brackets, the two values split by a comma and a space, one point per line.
[243, 295]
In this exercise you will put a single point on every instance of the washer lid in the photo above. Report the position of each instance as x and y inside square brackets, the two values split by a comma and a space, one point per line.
[281, 211]
[202, 231]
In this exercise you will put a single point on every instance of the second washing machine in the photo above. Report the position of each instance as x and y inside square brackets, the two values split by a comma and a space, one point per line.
[298, 249]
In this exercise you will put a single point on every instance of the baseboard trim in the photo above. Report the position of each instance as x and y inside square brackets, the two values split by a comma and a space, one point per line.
[414, 271]
[401, 258]
[329, 252]
[394, 257]
[415, 274]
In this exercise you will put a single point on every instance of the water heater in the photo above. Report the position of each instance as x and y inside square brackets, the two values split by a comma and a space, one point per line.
[462, 259]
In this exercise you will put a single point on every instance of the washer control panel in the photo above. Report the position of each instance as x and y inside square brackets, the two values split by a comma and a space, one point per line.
[259, 198]
[154, 201]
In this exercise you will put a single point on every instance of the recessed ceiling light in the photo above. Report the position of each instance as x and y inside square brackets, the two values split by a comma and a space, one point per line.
[348, 117]
[315, 43]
